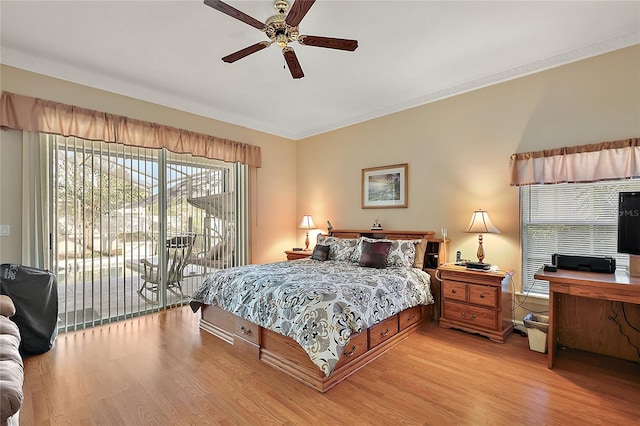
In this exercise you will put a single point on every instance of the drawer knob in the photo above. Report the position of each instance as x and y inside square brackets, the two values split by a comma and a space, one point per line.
[412, 316]
[472, 316]
[453, 291]
[349, 353]
[481, 295]
[245, 331]
[384, 333]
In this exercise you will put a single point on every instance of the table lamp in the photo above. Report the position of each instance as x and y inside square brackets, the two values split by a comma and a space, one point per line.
[306, 223]
[481, 224]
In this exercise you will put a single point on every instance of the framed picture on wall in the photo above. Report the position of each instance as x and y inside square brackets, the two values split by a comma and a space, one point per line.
[385, 187]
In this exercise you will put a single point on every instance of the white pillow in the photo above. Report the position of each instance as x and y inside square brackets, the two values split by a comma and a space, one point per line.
[339, 248]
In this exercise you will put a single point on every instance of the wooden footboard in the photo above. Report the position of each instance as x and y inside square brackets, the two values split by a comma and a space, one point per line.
[288, 356]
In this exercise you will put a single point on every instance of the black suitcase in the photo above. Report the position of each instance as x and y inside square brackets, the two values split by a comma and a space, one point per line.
[35, 294]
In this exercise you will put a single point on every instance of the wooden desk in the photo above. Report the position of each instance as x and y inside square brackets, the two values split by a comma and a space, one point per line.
[581, 308]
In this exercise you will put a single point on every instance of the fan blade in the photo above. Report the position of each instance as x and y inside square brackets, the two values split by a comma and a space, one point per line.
[292, 62]
[245, 52]
[297, 12]
[235, 13]
[329, 42]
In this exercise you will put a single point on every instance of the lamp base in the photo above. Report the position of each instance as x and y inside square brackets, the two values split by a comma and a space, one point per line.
[480, 252]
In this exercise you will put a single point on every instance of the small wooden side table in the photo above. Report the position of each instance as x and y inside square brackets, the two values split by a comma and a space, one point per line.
[477, 302]
[297, 254]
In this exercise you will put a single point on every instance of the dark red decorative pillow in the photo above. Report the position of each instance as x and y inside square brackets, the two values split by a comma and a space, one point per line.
[374, 254]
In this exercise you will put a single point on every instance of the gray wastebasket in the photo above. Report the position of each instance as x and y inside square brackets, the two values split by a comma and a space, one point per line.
[537, 329]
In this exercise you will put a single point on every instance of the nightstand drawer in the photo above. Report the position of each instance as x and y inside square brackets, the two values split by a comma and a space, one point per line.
[470, 315]
[409, 316]
[454, 290]
[382, 331]
[483, 295]
[357, 346]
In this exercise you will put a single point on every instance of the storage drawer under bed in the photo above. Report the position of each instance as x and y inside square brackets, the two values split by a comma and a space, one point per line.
[357, 346]
[246, 330]
[382, 331]
[409, 316]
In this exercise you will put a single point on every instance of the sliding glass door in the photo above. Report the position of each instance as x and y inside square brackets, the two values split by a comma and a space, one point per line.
[135, 230]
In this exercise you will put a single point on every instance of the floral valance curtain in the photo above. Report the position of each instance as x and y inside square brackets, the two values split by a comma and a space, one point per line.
[39, 115]
[585, 163]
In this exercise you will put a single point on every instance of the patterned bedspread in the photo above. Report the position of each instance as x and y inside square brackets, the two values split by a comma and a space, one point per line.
[318, 304]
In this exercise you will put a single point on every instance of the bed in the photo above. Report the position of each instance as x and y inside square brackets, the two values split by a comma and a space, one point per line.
[321, 319]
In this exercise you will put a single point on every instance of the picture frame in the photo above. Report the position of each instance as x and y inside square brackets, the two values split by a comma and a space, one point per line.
[385, 187]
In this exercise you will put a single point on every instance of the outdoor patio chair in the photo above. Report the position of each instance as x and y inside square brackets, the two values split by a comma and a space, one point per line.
[178, 251]
[219, 256]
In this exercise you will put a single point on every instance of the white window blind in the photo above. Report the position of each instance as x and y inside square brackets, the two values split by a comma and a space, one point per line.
[114, 206]
[569, 218]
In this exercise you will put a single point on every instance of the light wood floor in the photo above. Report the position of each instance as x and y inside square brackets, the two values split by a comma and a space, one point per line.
[162, 370]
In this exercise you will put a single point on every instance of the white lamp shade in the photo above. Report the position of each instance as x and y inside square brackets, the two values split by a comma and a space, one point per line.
[307, 222]
[481, 224]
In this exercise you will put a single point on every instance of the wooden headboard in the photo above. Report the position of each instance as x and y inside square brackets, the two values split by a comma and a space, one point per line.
[435, 253]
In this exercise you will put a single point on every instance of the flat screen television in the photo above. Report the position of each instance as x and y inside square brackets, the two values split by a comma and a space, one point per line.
[629, 223]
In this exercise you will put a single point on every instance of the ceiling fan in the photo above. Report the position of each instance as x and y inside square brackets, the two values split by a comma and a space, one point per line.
[282, 29]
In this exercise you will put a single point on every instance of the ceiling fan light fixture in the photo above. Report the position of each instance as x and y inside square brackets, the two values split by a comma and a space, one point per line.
[282, 40]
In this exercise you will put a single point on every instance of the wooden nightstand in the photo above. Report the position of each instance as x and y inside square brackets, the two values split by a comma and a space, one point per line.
[298, 254]
[477, 302]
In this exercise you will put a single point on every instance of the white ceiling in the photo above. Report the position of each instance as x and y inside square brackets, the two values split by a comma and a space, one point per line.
[410, 53]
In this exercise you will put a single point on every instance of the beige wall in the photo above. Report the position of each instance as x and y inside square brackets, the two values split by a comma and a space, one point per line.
[273, 230]
[458, 151]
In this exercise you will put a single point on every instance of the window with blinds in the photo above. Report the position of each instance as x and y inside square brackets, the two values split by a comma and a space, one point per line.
[117, 209]
[569, 218]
